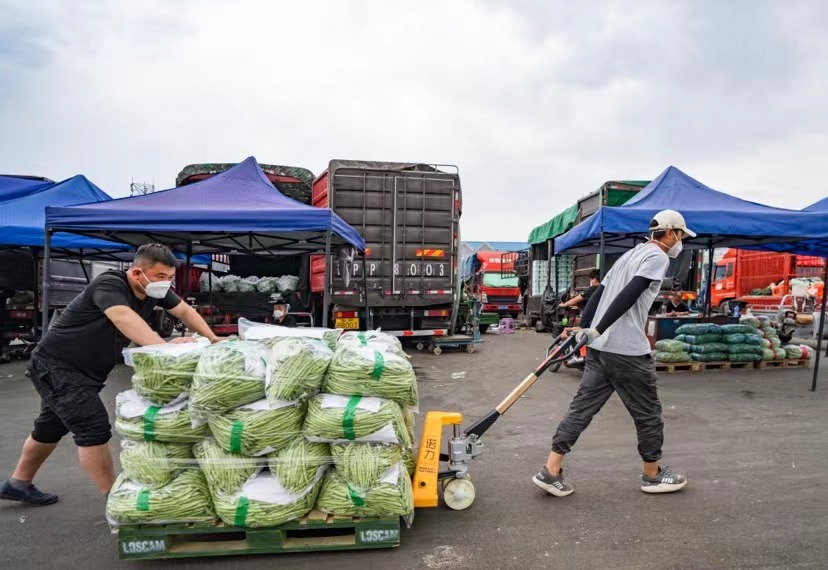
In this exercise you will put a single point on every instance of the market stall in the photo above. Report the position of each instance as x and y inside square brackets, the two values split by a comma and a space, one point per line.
[235, 212]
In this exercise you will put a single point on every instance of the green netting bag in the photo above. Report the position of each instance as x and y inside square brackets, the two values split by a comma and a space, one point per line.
[259, 427]
[363, 464]
[672, 357]
[752, 322]
[753, 339]
[779, 354]
[153, 463]
[768, 354]
[734, 329]
[765, 343]
[743, 357]
[734, 338]
[229, 374]
[712, 347]
[334, 418]
[392, 495]
[671, 346]
[163, 372]
[709, 357]
[681, 338]
[137, 418]
[703, 338]
[743, 349]
[793, 352]
[776, 343]
[185, 499]
[375, 339]
[699, 328]
[296, 368]
[264, 501]
[297, 464]
[771, 332]
[365, 371]
[225, 472]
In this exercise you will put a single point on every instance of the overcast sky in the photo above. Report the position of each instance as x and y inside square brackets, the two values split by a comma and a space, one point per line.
[537, 102]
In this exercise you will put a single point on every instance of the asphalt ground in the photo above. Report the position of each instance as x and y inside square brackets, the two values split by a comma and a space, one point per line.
[752, 443]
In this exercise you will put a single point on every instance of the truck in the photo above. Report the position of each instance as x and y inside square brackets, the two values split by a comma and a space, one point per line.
[763, 279]
[409, 215]
[489, 276]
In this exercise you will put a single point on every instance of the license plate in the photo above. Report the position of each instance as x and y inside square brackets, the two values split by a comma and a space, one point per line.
[503, 307]
[347, 324]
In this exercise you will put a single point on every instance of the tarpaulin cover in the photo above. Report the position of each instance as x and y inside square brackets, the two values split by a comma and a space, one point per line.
[22, 221]
[719, 219]
[556, 226]
[13, 187]
[238, 209]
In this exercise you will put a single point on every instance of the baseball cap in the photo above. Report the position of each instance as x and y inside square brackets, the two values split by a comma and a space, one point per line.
[670, 220]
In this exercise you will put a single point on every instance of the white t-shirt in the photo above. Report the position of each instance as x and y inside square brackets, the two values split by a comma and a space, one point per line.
[626, 335]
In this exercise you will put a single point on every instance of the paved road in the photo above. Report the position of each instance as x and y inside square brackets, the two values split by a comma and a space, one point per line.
[753, 444]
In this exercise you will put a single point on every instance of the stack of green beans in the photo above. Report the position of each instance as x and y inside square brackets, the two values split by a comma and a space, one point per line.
[344, 420]
[296, 466]
[139, 420]
[153, 463]
[185, 499]
[364, 371]
[375, 339]
[363, 464]
[392, 495]
[259, 427]
[225, 472]
[296, 368]
[163, 372]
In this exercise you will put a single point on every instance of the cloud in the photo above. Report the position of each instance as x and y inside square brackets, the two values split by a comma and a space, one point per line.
[537, 103]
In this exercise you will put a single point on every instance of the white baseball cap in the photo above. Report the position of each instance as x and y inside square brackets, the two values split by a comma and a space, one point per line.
[670, 220]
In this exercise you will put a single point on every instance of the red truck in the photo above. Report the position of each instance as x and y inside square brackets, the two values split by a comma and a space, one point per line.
[741, 274]
[496, 284]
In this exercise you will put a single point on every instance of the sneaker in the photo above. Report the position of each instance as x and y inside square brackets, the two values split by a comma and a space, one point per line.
[553, 484]
[665, 482]
[30, 495]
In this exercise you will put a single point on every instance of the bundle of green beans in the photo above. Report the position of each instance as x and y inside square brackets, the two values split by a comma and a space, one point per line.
[296, 368]
[368, 372]
[375, 339]
[154, 463]
[225, 472]
[297, 465]
[163, 372]
[339, 419]
[362, 464]
[392, 495]
[138, 419]
[269, 334]
[259, 427]
[229, 374]
[263, 501]
[185, 499]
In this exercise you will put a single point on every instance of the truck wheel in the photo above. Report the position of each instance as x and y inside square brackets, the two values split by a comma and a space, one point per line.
[165, 324]
[420, 346]
[723, 307]
[483, 328]
[437, 351]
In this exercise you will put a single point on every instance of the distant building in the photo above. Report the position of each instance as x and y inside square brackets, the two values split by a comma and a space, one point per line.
[469, 247]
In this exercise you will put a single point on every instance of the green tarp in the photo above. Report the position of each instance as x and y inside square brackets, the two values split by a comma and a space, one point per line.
[561, 223]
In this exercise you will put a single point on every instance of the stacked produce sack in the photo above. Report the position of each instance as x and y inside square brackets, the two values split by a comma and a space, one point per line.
[710, 342]
[675, 350]
[365, 413]
[160, 482]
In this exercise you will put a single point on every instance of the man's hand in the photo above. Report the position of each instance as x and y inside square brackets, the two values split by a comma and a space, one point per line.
[567, 331]
[587, 334]
[182, 340]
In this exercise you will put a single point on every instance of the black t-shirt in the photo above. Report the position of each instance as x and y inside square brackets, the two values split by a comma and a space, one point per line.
[590, 291]
[288, 321]
[84, 337]
[680, 308]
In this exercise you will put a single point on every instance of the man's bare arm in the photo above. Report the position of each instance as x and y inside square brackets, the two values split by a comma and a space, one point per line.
[193, 321]
[132, 325]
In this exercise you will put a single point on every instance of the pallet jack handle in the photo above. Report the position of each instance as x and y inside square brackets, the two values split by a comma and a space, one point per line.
[560, 350]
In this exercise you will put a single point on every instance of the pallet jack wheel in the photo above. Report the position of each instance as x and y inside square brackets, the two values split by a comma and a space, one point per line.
[420, 346]
[470, 348]
[437, 351]
[458, 494]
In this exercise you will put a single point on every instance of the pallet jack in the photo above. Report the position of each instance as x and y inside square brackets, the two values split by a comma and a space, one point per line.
[465, 445]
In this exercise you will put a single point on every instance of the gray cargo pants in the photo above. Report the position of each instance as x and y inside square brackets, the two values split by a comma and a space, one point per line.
[634, 378]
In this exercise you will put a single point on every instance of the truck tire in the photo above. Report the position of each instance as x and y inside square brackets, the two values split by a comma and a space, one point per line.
[164, 324]
[483, 328]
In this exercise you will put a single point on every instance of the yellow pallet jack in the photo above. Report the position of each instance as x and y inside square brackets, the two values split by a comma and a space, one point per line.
[465, 445]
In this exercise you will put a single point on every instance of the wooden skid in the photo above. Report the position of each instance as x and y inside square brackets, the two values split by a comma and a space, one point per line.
[671, 367]
[725, 365]
[766, 364]
[313, 533]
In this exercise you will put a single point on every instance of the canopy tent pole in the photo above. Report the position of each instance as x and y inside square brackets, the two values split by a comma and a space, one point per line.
[187, 269]
[210, 281]
[83, 267]
[47, 252]
[821, 328]
[602, 272]
[709, 291]
[365, 290]
[326, 293]
[36, 281]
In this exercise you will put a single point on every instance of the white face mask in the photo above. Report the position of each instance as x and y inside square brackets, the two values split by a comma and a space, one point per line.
[278, 314]
[156, 289]
[674, 251]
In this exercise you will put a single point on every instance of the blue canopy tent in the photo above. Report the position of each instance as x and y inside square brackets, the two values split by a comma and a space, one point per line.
[236, 211]
[12, 186]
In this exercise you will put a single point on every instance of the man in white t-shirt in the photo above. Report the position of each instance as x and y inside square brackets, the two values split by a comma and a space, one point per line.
[618, 358]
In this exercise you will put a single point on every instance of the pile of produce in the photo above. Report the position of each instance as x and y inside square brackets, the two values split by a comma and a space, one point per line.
[138, 419]
[248, 284]
[374, 339]
[225, 472]
[676, 350]
[268, 334]
[335, 418]
[296, 368]
[366, 371]
[185, 499]
[154, 463]
[164, 372]
[297, 465]
[390, 494]
[259, 427]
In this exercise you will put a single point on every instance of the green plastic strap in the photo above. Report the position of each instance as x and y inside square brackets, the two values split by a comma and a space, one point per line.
[241, 512]
[348, 417]
[142, 502]
[149, 422]
[362, 340]
[355, 498]
[379, 366]
[236, 436]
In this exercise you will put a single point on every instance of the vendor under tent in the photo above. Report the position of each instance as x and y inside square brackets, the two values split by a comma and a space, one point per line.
[235, 212]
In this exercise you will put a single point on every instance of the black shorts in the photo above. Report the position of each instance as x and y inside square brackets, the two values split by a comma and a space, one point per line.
[69, 403]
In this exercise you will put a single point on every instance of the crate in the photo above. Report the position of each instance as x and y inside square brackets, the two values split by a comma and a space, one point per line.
[315, 532]
[671, 367]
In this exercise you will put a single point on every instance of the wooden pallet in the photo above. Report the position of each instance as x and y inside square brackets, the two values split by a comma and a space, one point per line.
[725, 365]
[671, 367]
[315, 532]
[766, 364]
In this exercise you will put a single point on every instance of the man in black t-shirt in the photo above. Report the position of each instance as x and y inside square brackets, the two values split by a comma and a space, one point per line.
[72, 361]
[582, 299]
[676, 305]
[280, 312]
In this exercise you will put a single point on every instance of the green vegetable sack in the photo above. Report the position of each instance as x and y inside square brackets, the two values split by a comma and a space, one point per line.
[258, 427]
[702, 338]
[672, 357]
[363, 464]
[743, 357]
[250, 330]
[185, 499]
[297, 465]
[699, 328]
[164, 372]
[793, 352]
[296, 367]
[709, 356]
[708, 348]
[768, 354]
[338, 419]
[153, 463]
[392, 495]
[229, 374]
[736, 329]
[374, 339]
[367, 372]
[263, 501]
[667, 345]
[136, 418]
[779, 353]
[225, 472]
